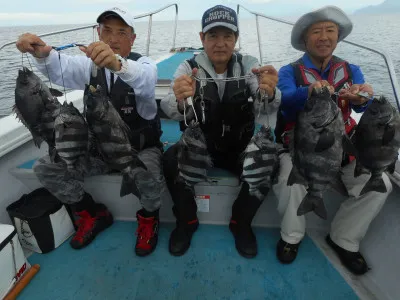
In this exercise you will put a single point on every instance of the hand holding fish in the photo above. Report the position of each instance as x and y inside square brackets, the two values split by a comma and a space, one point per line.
[184, 87]
[33, 44]
[351, 93]
[319, 85]
[102, 55]
[268, 78]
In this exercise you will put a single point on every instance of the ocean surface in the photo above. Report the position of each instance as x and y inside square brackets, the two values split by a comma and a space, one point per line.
[381, 32]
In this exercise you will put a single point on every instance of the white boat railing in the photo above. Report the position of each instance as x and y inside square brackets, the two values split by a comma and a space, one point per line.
[149, 14]
[383, 54]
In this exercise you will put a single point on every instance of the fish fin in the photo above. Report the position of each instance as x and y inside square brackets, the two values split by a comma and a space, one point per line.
[138, 163]
[37, 140]
[388, 135]
[391, 168]
[348, 145]
[312, 203]
[125, 186]
[376, 184]
[325, 141]
[296, 177]
[128, 186]
[339, 186]
[264, 189]
[55, 92]
[359, 169]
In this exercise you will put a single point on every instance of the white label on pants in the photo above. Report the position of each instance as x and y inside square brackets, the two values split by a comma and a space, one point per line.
[203, 203]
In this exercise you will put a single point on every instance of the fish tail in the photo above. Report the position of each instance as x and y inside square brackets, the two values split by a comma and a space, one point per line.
[312, 203]
[128, 186]
[376, 184]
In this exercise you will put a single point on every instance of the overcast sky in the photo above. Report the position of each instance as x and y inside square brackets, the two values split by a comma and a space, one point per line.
[28, 12]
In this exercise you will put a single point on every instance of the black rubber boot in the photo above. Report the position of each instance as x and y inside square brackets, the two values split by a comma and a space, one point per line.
[184, 209]
[353, 261]
[285, 252]
[243, 211]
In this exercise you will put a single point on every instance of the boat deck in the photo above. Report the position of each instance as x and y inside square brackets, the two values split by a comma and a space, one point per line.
[212, 268]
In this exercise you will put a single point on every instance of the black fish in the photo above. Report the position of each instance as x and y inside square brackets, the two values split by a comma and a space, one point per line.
[261, 162]
[71, 136]
[193, 157]
[317, 148]
[36, 107]
[377, 143]
[112, 136]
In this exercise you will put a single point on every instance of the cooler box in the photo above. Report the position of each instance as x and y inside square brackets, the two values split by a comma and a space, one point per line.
[13, 263]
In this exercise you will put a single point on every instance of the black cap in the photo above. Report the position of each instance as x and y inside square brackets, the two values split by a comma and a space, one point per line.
[219, 15]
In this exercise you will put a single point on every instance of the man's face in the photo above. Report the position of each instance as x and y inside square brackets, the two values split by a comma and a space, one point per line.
[321, 39]
[118, 35]
[219, 44]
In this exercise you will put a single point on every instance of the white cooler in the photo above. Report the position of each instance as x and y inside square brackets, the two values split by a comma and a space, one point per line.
[13, 263]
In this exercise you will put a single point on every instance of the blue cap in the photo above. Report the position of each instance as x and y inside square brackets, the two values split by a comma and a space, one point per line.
[219, 15]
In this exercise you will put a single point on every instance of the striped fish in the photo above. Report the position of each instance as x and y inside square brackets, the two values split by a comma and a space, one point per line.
[112, 137]
[71, 136]
[193, 157]
[36, 107]
[260, 162]
[316, 150]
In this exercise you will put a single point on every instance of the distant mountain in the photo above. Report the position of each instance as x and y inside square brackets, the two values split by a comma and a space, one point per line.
[387, 7]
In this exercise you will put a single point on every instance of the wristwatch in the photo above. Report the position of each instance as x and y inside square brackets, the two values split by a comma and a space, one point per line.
[124, 65]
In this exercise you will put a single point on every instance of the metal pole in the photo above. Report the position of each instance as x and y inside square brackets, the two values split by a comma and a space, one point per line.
[238, 7]
[175, 26]
[259, 41]
[148, 35]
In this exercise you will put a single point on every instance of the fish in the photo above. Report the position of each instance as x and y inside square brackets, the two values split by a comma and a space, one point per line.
[36, 106]
[316, 147]
[193, 157]
[261, 162]
[71, 136]
[112, 137]
[377, 141]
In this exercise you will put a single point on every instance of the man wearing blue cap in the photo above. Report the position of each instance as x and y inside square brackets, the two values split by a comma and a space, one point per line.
[226, 118]
[317, 34]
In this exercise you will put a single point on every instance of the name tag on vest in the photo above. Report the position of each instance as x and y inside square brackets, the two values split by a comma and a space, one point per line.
[127, 109]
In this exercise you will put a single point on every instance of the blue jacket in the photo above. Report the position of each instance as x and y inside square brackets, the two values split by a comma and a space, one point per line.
[293, 97]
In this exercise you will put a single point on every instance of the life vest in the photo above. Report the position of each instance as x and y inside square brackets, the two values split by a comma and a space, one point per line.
[339, 75]
[228, 123]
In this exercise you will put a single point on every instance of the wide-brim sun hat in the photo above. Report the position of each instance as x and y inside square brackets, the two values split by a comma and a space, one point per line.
[327, 13]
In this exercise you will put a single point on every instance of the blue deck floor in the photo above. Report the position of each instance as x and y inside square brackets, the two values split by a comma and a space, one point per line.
[212, 269]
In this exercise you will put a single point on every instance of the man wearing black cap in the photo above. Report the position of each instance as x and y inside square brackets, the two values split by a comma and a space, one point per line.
[317, 34]
[130, 82]
[226, 118]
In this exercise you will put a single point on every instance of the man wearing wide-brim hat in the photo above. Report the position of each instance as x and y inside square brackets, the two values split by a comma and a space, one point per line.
[317, 34]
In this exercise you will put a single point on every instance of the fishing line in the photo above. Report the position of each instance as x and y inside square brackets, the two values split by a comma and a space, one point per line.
[22, 60]
[263, 94]
[62, 76]
[47, 70]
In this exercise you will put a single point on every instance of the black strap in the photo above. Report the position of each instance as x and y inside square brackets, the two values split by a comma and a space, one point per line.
[111, 83]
